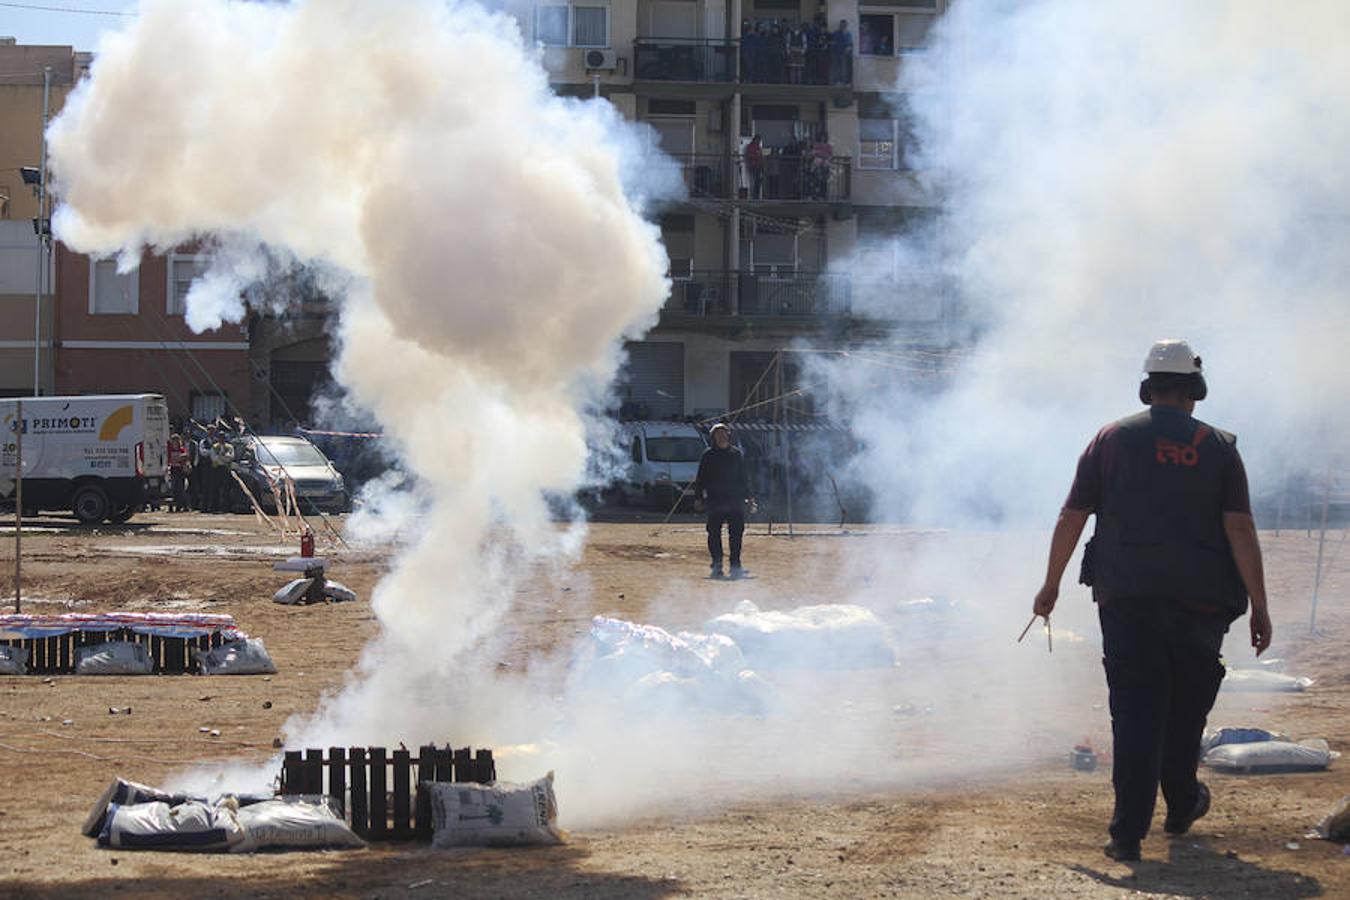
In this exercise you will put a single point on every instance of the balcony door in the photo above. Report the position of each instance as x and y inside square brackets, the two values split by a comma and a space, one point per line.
[674, 135]
[674, 19]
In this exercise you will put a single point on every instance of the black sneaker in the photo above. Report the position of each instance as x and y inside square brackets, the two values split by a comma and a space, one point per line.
[738, 572]
[716, 571]
[1175, 824]
[1122, 851]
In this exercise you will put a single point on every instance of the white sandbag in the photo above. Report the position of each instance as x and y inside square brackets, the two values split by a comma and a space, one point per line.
[1216, 737]
[338, 592]
[1264, 680]
[1272, 756]
[125, 793]
[246, 657]
[1335, 825]
[646, 666]
[287, 824]
[194, 826]
[829, 636]
[293, 592]
[113, 658]
[13, 660]
[496, 815]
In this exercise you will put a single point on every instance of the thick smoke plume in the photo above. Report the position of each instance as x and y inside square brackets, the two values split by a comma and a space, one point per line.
[1111, 174]
[483, 237]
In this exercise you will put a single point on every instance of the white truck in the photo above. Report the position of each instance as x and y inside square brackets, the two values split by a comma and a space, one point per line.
[98, 456]
[662, 460]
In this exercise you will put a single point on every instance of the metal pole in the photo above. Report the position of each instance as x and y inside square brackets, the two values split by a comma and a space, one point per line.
[18, 506]
[41, 233]
[1321, 545]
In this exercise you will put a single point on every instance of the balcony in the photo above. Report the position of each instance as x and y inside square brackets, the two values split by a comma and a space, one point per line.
[684, 60]
[784, 295]
[707, 174]
[817, 68]
[797, 179]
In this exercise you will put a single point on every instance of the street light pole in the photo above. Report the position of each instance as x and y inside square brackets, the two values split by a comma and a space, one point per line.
[43, 234]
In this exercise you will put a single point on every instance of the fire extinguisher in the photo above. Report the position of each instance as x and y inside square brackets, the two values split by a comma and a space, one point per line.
[307, 543]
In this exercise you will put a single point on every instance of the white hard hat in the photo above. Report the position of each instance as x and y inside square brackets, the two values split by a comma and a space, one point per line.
[1172, 356]
[720, 426]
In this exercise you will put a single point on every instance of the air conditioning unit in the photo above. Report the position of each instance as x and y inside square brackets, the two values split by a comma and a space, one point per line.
[601, 59]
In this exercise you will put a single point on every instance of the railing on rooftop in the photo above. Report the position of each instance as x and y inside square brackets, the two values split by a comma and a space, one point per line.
[707, 174]
[749, 293]
[772, 63]
[684, 59]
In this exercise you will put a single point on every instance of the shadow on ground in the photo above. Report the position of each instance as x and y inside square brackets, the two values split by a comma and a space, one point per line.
[1193, 868]
[424, 873]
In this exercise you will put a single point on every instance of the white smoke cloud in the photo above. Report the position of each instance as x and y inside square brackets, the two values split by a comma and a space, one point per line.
[1113, 174]
[485, 239]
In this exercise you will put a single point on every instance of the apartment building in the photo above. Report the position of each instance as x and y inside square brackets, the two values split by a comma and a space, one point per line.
[789, 241]
[25, 266]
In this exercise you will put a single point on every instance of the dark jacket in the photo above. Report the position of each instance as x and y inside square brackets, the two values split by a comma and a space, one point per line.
[1160, 521]
[721, 477]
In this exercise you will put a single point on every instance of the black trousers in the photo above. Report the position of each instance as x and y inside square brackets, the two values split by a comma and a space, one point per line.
[733, 516]
[1163, 672]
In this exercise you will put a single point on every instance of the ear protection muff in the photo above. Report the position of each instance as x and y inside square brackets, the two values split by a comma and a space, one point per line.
[1145, 395]
[1199, 389]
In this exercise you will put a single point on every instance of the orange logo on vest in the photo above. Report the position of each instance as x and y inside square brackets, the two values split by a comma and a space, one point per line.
[1170, 453]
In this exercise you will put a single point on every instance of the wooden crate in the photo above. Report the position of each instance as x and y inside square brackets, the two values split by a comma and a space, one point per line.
[380, 792]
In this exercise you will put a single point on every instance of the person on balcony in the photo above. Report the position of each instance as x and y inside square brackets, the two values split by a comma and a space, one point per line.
[796, 44]
[841, 53]
[749, 50]
[754, 167]
[822, 160]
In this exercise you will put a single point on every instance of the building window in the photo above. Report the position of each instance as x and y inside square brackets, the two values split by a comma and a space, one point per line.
[572, 25]
[110, 292]
[889, 33]
[878, 147]
[183, 270]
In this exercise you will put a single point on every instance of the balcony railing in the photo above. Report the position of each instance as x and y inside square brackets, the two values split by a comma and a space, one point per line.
[728, 61]
[683, 59]
[783, 294]
[787, 177]
[707, 174]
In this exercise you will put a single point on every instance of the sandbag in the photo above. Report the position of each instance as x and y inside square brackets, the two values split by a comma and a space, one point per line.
[1272, 756]
[1336, 825]
[496, 815]
[826, 636]
[246, 657]
[113, 658]
[125, 793]
[288, 824]
[1216, 737]
[338, 592]
[193, 825]
[1264, 680]
[13, 660]
[293, 592]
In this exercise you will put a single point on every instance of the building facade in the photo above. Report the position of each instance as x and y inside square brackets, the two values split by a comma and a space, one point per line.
[811, 237]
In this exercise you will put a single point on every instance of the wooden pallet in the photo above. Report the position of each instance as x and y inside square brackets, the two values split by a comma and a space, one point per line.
[387, 800]
[56, 655]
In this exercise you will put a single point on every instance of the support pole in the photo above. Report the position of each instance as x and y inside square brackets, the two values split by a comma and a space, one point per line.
[18, 506]
[42, 230]
[1321, 546]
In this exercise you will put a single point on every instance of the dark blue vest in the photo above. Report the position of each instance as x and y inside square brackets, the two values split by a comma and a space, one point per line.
[1160, 523]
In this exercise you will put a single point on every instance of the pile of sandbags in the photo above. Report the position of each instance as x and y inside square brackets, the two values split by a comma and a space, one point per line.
[13, 660]
[131, 816]
[114, 658]
[246, 657]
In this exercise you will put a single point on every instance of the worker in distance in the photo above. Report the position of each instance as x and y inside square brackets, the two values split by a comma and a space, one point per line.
[723, 489]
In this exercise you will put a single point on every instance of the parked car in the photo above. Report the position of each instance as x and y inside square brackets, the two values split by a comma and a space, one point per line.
[662, 460]
[273, 459]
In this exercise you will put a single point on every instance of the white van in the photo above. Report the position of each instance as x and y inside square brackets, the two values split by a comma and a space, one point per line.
[662, 460]
[98, 456]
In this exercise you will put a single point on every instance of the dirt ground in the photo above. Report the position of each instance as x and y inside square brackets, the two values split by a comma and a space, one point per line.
[1032, 829]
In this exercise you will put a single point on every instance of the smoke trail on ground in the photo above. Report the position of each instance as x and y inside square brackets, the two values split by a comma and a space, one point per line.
[1111, 175]
[484, 238]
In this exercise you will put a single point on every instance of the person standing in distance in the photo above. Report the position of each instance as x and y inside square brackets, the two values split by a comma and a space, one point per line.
[722, 488]
[1171, 564]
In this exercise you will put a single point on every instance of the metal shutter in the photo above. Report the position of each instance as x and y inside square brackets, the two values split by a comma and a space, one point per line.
[654, 378]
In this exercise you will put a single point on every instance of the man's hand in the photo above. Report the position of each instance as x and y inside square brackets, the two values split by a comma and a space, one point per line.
[1046, 598]
[1261, 629]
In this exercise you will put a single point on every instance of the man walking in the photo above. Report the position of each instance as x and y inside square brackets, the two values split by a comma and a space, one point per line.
[1171, 565]
[722, 488]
